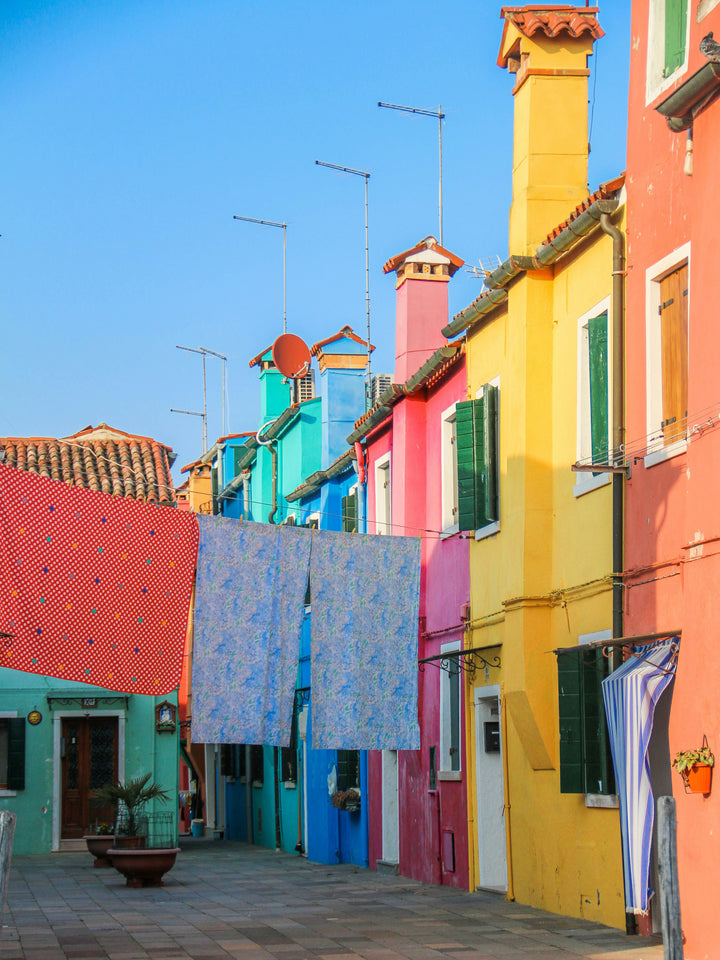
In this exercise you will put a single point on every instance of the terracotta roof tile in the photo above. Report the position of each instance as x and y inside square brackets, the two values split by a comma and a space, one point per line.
[100, 458]
[429, 243]
[346, 331]
[603, 192]
[550, 19]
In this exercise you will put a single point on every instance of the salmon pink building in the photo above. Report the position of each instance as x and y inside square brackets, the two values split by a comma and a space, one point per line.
[672, 524]
[418, 799]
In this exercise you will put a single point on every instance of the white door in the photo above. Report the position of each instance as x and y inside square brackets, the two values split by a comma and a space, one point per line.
[390, 808]
[492, 852]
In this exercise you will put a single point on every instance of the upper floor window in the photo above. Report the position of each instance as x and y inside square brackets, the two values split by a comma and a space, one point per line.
[383, 495]
[668, 28]
[449, 468]
[593, 400]
[350, 512]
[667, 292]
[477, 436]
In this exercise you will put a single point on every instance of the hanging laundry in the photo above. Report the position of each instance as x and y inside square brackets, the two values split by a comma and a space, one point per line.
[93, 588]
[365, 593]
[249, 604]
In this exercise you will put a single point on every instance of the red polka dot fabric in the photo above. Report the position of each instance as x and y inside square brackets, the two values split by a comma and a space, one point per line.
[92, 587]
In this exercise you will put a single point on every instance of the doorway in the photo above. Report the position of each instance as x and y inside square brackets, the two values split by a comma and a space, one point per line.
[492, 850]
[88, 760]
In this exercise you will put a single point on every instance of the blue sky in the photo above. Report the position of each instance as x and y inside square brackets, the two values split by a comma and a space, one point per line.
[133, 131]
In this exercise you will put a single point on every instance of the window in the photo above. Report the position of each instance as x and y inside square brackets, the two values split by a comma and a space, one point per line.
[477, 462]
[348, 769]
[312, 521]
[12, 753]
[257, 769]
[585, 759]
[449, 468]
[593, 406]
[383, 495]
[229, 760]
[450, 747]
[668, 28]
[667, 356]
[350, 512]
[288, 765]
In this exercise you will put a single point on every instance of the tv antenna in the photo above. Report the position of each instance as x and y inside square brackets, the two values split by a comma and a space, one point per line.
[196, 413]
[440, 116]
[204, 352]
[361, 173]
[283, 225]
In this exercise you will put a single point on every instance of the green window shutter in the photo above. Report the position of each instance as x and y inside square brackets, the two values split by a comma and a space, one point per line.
[454, 691]
[349, 513]
[585, 760]
[16, 753]
[570, 714]
[675, 32]
[597, 353]
[214, 489]
[465, 415]
[489, 503]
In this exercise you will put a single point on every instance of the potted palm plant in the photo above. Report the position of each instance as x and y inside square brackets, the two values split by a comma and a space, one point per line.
[128, 800]
[695, 767]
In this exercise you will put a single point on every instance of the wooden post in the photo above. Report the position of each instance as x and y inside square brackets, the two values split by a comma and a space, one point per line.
[7, 829]
[668, 879]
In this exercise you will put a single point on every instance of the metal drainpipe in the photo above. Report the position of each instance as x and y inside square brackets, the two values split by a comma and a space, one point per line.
[273, 455]
[618, 432]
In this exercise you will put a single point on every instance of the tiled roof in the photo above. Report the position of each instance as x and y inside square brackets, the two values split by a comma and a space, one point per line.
[98, 458]
[346, 332]
[550, 19]
[603, 192]
[429, 243]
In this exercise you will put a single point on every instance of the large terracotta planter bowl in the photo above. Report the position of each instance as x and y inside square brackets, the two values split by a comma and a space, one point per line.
[143, 867]
[98, 845]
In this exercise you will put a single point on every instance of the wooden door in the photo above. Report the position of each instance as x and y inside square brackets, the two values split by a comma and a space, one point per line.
[88, 757]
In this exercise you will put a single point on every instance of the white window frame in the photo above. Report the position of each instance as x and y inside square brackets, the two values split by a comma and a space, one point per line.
[383, 494]
[490, 529]
[449, 471]
[313, 516]
[658, 452]
[586, 482]
[8, 715]
[655, 83]
[444, 769]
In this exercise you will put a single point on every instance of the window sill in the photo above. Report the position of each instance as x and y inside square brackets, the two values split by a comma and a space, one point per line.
[590, 483]
[258, 784]
[449, 775]
[602, 800]
[8, 793]
[488, 531]
[448, 532]
[666, 453]
[290, 784]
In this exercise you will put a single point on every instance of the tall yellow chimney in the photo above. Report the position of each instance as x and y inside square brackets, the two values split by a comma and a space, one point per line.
[546, 46]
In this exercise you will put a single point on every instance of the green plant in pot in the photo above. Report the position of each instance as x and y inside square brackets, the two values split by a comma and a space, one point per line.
[129, 800]
[685, 759]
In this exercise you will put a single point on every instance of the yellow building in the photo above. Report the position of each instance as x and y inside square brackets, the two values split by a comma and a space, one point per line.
[544, 820]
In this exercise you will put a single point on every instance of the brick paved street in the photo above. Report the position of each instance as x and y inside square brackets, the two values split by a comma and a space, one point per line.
[230, 900]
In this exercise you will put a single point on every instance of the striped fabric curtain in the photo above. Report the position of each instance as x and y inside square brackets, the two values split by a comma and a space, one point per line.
[630, 694]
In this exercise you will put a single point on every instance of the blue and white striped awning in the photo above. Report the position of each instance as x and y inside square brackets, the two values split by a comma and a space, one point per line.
[631, 693]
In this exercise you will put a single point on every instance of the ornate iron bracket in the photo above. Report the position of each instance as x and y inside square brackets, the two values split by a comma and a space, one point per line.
[468, 661]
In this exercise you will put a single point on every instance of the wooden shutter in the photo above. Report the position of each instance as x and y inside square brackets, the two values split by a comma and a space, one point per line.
[476, 424]
[597, 358]
[675, 32]
[465, 415]
[585, 762]
[349, 513]
[674, 352]
[454, 706]
[214, 489]
[16, 753]
[489, 466]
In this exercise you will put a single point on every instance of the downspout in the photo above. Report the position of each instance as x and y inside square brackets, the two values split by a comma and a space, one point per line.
[273, 455]
[248, 797]
[618, 431]
[360, 461]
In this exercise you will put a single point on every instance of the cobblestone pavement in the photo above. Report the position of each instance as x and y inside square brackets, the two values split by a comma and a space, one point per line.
[229, 900]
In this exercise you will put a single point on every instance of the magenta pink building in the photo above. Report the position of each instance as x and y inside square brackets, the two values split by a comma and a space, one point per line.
[418, 799]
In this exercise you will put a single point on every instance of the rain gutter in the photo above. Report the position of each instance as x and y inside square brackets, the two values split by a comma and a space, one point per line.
[680, 108]
[397, 390]
[545, 256]
[316, 480]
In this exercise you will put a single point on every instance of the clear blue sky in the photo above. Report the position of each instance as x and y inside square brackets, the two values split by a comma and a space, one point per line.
[133, 131]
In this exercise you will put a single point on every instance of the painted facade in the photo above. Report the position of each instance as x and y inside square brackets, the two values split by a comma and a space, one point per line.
[86, 736]
[544, 821]
[418, 799]
[672, 521]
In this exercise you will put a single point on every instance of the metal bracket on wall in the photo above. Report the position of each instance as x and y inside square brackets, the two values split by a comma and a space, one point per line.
[466, 660]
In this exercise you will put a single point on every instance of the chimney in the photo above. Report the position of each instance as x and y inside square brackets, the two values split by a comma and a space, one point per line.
[342, 360]
[274, 387]
[546, 46]
[421, 303]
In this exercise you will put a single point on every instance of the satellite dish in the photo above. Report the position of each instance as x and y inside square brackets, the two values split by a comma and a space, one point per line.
[291, 356]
